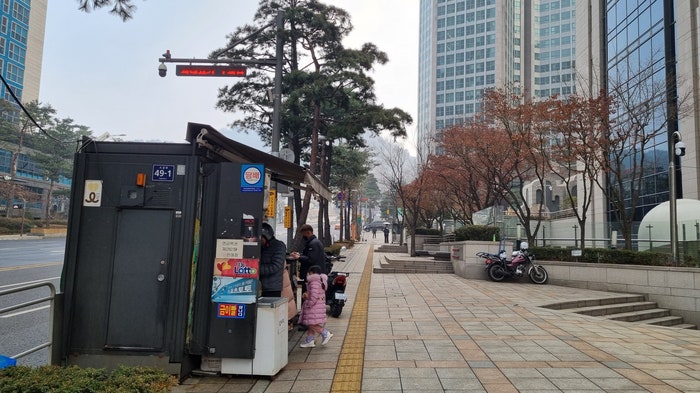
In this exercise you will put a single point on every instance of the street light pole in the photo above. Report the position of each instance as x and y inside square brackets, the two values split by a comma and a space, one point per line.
[677, 149]
[278, 62]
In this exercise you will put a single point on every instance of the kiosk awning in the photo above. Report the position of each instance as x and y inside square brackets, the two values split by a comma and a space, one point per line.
[222, 148]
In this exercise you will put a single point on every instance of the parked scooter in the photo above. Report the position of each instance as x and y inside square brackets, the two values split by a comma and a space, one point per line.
[499, 268]
[335, 290]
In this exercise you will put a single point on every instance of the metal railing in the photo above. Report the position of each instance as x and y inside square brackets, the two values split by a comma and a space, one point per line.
[50, 298]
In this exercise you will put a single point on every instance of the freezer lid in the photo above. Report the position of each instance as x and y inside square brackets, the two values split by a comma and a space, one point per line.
[271, 301]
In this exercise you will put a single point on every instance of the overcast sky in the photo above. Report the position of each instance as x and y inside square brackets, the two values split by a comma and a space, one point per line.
[102, 72]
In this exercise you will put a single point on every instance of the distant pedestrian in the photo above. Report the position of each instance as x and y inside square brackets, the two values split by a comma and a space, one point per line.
[374, 233]
[313, 310]
[386, 234]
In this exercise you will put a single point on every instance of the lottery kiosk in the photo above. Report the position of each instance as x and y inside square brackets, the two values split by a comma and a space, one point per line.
[162, 252]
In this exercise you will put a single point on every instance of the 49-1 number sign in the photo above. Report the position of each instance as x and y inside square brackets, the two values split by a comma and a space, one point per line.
[163, 172]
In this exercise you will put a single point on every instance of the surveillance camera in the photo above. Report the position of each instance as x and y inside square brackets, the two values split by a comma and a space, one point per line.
[680, 149]
[162, 70]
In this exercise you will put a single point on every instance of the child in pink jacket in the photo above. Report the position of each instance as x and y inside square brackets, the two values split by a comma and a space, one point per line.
[313, 309]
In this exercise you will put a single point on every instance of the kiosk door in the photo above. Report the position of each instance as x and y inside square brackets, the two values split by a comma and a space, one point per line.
[139, 286]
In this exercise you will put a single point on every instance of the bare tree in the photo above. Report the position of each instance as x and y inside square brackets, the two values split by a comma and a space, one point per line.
[401, 174]
[570, 128]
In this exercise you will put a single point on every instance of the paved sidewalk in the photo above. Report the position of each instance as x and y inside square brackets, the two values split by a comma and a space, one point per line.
[443, 333]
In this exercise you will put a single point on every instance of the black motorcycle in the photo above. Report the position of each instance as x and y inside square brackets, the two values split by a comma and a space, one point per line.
[523, 263]
[335, 290]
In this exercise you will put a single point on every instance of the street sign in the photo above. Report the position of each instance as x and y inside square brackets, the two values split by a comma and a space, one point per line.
[287, 217]
[209, 70]
[163, 173]
[272, 204]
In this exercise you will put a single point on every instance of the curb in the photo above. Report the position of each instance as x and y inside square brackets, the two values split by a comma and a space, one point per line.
[29, 236]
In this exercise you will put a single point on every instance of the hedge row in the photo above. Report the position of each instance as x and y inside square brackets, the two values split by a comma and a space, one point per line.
[54, 379]
[12, 226]
[477, 232]
[605, 255]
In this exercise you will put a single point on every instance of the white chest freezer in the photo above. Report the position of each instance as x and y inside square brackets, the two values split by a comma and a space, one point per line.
[271, 339]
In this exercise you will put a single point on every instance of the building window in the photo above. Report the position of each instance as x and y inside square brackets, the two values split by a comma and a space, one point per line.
[19, 33]
[16, 53]
[21, 13]
[15, 74]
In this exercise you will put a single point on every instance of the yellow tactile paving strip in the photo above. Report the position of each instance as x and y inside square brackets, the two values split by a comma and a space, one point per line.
[348, 372]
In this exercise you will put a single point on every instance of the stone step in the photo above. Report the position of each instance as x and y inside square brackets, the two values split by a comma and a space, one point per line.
[392, 248]
[401, 270]
[636, 316]
[669, 320]
[595, 302]
[413, 266]
[614, 308]
[684, 326]
[416, 266]
[626, 308]
[437, 264]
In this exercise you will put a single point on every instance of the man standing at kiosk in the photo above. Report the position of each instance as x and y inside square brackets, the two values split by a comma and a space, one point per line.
[272, 261]
[312, 254]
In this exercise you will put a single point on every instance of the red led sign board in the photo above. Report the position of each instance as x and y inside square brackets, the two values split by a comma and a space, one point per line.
[209, 70]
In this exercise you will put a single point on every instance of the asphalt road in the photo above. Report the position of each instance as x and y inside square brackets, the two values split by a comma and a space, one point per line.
[26, 262]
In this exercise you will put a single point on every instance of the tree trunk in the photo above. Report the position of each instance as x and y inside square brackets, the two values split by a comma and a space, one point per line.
[48, 205]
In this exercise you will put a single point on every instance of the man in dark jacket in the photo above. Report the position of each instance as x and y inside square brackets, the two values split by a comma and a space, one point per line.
[272, 260]
[312, 254]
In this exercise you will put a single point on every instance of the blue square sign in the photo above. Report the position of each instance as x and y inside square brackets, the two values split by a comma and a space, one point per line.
[252, 177]
[163, 172]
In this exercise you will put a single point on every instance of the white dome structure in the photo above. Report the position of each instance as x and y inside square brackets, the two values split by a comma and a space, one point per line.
[655, 228]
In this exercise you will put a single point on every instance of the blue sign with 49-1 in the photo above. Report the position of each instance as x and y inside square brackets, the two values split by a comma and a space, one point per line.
[163, 172]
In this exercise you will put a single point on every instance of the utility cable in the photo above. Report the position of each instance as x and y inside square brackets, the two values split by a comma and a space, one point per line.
[26, 112]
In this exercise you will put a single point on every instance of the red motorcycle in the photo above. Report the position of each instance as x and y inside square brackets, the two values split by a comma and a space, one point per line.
[499, 268]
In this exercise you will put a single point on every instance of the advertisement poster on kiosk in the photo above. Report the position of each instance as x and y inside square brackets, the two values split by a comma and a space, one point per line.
[235, 278]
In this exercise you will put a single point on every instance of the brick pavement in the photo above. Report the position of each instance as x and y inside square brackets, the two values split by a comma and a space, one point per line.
[444, 333]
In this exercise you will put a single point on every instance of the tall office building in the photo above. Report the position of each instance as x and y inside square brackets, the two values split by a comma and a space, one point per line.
[22, 25]
[467, 46]
[654, 44]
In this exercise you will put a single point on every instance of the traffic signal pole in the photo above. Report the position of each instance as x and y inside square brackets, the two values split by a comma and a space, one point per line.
[216, 70]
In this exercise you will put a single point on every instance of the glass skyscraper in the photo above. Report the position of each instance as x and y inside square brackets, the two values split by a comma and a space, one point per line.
[560, 47]
[636, 55]
[22, 26]
[468, 46]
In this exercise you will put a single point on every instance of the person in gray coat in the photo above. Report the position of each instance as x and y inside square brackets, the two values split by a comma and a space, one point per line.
[272, 260]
